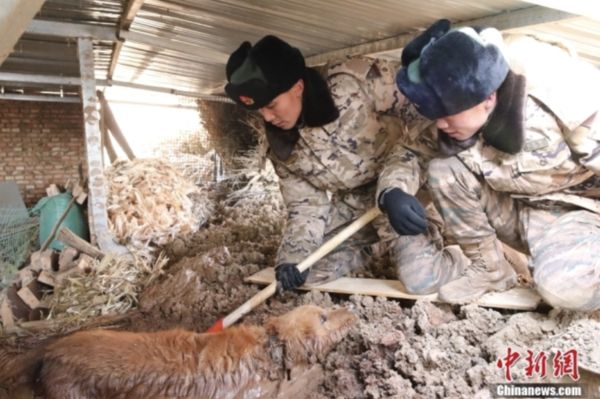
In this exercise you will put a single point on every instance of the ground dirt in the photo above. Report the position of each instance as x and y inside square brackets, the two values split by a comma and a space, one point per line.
[400, 349]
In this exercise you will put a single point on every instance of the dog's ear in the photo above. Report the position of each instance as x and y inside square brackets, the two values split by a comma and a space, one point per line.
[272, 326]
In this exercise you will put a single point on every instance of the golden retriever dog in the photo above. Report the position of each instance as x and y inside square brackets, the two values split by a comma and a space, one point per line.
[240, 362]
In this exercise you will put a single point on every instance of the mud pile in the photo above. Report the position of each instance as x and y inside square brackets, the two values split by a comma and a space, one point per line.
[400, 349]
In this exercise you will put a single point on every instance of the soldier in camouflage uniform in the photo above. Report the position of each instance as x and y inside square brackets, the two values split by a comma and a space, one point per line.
[333, 140]
[520, 135]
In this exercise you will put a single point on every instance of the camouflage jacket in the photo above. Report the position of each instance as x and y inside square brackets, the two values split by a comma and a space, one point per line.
[359, 148]
[560, 161]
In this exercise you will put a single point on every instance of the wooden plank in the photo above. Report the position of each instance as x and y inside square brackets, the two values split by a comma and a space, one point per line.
[516, 298]
[15, 16]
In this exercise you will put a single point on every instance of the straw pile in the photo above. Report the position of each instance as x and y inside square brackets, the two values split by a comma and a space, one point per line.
[150, 204]
[110, 286]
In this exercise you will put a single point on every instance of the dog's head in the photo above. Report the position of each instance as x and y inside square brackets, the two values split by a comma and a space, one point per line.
[310, 332]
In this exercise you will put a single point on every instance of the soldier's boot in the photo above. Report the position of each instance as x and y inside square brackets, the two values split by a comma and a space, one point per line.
[489, 271]
[336, 265]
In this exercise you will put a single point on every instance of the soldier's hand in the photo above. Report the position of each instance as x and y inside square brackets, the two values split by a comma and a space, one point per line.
[289, 277]
[405, 212]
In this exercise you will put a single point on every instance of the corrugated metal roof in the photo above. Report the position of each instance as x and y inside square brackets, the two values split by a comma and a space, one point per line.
[582, 33]
[216, 28]
[186, 42]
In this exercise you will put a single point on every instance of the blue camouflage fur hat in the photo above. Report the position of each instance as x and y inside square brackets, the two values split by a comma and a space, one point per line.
[448, 72]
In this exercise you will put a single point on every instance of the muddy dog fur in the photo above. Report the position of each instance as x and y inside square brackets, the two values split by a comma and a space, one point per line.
[240, 362]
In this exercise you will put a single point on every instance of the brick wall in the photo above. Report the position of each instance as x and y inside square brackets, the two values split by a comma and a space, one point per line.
[40, 143]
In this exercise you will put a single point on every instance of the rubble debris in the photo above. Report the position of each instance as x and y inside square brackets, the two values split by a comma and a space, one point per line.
[399, 349]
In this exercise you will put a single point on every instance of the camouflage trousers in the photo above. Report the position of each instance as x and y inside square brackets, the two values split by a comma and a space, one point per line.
[563, 242]
[422, 262]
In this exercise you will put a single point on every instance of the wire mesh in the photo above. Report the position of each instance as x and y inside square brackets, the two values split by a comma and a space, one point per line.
[18, 236]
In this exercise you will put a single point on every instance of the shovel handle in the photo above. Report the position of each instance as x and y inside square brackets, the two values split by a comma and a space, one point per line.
[323, 250]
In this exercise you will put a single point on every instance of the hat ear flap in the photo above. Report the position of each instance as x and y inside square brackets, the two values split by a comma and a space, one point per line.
[423, 97]
[412, 51]
[237, 58]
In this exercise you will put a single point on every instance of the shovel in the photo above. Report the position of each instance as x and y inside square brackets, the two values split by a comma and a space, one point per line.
[323, 250]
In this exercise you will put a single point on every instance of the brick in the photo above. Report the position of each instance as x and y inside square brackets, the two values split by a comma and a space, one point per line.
[42, 143]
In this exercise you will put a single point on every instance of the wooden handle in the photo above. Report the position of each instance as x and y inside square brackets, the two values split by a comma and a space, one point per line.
[323, 250]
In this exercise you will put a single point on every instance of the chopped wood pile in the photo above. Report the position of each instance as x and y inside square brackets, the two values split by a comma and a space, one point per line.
[27, 298]
[75, 284]
[150, 204]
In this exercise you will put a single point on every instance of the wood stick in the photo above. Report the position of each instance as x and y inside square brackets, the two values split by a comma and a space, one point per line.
[69, 238]
[322, 251]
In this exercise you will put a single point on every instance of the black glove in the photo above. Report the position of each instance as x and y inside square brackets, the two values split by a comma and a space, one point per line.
[289, 277]
[405, 212]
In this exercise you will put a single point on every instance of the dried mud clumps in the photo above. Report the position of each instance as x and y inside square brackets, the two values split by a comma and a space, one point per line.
[207, 283]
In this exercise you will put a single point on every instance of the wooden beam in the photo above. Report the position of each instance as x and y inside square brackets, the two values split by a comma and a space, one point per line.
[97, 192]
[70, 239]
[131, 10]
[516, 298]
[114, 59]
[15, 15]
[129, 13]
[113, 126]
[106, 140]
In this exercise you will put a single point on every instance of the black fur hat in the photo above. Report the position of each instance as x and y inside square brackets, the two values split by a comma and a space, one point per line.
[257, 74]
[444, 74]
